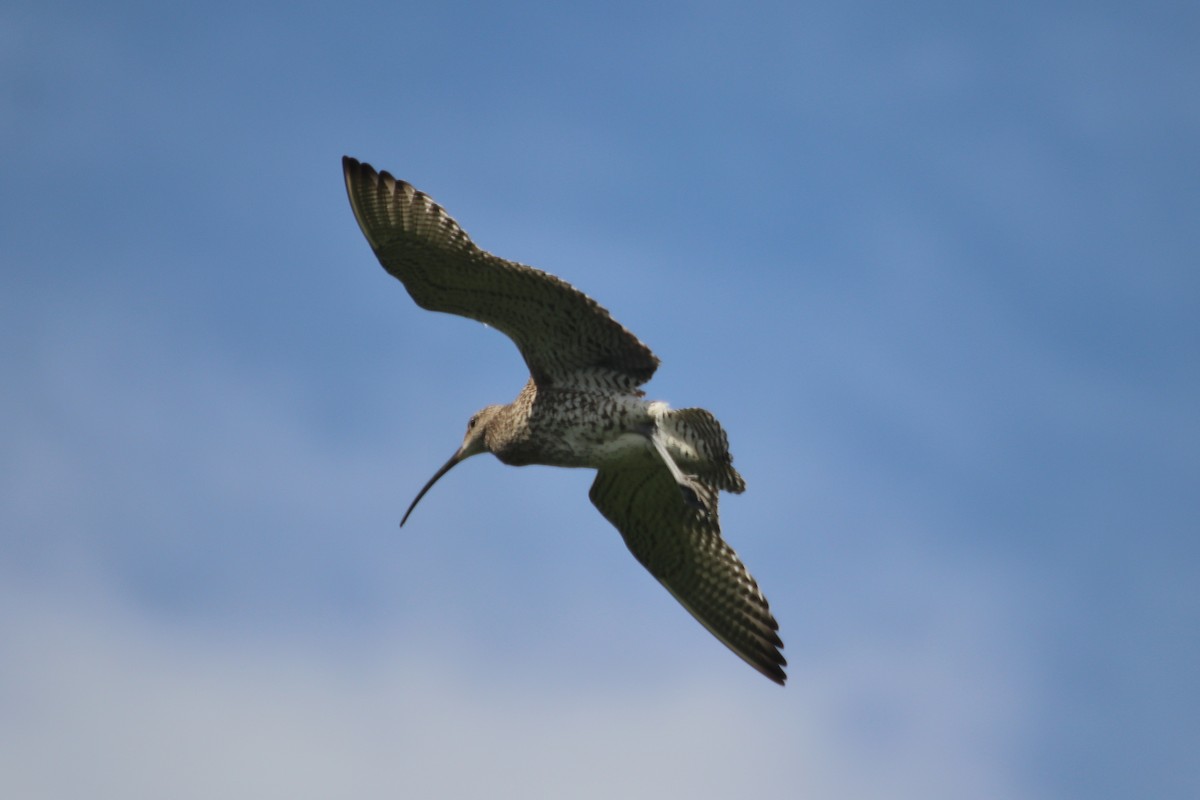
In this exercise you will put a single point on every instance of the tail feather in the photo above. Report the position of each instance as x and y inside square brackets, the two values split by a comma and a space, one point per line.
[697, 430]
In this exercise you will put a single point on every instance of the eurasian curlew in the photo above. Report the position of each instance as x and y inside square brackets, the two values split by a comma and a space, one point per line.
[659, 470]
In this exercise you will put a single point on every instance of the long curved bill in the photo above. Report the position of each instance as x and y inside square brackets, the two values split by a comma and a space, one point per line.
[454, 459]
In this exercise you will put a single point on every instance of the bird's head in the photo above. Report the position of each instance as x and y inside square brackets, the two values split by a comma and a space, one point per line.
[474, 443]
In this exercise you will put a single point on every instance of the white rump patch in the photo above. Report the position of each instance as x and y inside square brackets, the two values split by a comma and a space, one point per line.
[658, 409]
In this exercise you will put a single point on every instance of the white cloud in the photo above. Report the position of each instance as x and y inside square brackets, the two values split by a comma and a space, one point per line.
[101, 701]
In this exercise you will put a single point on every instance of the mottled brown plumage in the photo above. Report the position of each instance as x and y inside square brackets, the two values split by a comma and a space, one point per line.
[659, 471]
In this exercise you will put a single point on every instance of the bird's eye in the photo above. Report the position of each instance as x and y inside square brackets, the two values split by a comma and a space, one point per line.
[471, 424]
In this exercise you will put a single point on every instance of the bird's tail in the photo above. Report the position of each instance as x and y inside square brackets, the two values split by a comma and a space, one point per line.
[700, 447]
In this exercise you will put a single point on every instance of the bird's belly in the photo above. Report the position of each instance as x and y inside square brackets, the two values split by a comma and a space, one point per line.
[578, 450]
[625, 447]
[581, 430]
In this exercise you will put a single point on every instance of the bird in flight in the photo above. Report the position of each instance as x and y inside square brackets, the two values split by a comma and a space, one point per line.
[658, 470]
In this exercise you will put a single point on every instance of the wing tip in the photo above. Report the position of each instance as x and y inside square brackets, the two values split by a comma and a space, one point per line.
[772, 664]
[366, 188]
[775, 673]
[356, 172]
[763, 655]
[360, 175]
[352, 166]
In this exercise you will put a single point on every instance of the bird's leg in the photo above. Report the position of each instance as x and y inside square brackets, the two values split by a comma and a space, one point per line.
[686, 483]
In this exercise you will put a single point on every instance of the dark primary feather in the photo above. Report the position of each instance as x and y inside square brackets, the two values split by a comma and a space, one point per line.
[682, 547]
[565, 337]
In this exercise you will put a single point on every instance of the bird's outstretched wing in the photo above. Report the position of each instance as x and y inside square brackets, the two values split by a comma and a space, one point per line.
[566, 338]
[682, 547]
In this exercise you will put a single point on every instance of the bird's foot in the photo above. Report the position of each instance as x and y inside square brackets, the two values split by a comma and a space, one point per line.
[689, 485]
[691, 495]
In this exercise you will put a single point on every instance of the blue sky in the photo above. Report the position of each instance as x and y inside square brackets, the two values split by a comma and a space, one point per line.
[933, 267]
